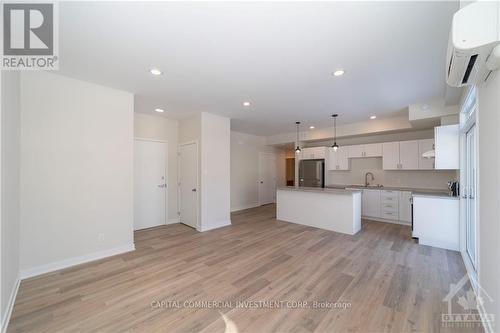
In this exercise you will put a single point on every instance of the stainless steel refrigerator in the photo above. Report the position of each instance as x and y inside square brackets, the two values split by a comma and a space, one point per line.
[312, 173]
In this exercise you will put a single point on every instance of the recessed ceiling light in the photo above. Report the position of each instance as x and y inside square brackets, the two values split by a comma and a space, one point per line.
[246, 103]
[373, 117]
[312, 127]
[338, 72]
[155, 71]
[159, 110]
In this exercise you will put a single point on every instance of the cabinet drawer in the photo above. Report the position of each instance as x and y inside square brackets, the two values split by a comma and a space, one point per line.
[389, 194]
[390, 215]
[390, 207]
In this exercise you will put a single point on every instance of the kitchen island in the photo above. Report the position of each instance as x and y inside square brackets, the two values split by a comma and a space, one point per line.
[331, 209]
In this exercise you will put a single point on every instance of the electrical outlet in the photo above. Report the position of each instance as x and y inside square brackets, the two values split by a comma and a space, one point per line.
[100, 237]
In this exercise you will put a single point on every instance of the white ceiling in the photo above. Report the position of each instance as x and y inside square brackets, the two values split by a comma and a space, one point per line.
[277, 55]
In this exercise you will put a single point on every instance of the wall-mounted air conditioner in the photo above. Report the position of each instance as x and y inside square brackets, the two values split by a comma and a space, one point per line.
[474, 44]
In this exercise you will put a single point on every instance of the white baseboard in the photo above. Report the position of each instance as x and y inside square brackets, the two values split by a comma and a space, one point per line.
[173, 221]
[216, 225]
[31, 272]
[10, 305]
[245, 206]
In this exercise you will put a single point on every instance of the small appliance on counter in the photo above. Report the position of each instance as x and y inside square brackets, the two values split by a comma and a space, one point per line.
[454, 188]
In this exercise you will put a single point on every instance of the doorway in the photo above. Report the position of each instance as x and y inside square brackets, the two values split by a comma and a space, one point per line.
[150, 183]
[188, 184]
[267, 178]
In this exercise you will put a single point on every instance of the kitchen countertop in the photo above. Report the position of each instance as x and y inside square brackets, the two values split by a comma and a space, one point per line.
[415, 191]
[434, 195]
[318, 190]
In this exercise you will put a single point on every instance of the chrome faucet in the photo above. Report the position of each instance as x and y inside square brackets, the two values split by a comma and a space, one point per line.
[366, 178]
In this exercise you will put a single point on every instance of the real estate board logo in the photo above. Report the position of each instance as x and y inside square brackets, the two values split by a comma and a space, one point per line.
[30, 36]
[465, 309]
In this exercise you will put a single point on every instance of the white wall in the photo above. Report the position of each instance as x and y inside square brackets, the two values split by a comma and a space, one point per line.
[369, 127]
[9, 205]
[245, 149]
[402, 136]
[161, 128]
[76, 170]
[215, 171]
[190, 129]
[488, 125]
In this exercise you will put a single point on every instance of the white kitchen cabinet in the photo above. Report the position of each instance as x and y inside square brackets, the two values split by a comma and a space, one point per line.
[390, 156]
[425, 146]
[436, 221]
[371, 203]
[389, 204]
[356, 151]
[408, 155]
[401, 155]
[404, 206]
[313, 153]
[446, 147]
[338, 160]
[368, 150]
[373, 150]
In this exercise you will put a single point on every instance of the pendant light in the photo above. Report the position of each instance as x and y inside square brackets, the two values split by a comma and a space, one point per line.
[297, 149]
[335, 145]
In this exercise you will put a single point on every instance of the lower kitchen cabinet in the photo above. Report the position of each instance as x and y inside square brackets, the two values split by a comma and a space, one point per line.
[436, 221]
[370, 203]
[405, 206]
[389, 205]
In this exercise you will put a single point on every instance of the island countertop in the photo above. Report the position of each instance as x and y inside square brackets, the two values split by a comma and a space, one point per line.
[319, 190]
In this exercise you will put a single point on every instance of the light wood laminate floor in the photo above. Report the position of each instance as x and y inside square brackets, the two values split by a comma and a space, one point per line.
[386, 281]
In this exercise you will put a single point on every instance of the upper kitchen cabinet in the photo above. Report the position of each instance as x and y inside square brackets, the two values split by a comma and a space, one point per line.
[408, 155]
[423, 147]
[338, 160]
[390, 156]
[313, 153]
[400, 155]
[373, 150]
[446, 147]
[368, 150]
[356, 151]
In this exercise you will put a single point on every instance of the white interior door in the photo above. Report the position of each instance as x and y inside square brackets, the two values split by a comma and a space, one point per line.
[267, 178]
[150, 184]
[188, 187]
[470, 195]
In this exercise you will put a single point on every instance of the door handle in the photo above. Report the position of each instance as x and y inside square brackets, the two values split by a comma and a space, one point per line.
[194, 190]
[261, 182]
[162, 185]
